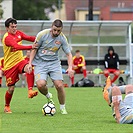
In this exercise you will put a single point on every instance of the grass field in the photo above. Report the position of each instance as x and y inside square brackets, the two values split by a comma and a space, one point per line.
[87, 113]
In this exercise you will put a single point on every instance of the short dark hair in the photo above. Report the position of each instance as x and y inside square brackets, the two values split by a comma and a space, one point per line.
[77, 51]
[10, 20]
[57, 23]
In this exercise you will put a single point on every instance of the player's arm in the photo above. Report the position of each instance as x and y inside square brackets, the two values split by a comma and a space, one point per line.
[116, 110]
[117, 60]
[27, 37]
[32, 55]
[69, 61]
[10, 42]
[106, 61]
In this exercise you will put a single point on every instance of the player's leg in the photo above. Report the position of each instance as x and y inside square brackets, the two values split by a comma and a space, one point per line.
[12, 77]
[8, 98]
[106, 90]
[121, 88]
[116, 93]
[84, 71]
[29, 78]
[61, 95]
[106, 73]
[116, 75]
[0, 76]
[72, 80]
[23, 75]
[57, 78]
[43, 89]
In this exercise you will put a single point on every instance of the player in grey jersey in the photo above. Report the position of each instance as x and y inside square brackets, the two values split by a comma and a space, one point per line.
[46, 62]
[122, 108]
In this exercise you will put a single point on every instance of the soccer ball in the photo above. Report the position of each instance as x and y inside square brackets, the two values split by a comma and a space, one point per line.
[49, 109]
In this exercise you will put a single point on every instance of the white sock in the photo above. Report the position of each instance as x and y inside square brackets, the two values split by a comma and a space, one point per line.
[47, 95]
[62, 106]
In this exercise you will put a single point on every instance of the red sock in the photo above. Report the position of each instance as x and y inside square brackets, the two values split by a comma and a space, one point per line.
[8, 98]
[72, 80]
[114, 79]
[30, 80]
[85, 73]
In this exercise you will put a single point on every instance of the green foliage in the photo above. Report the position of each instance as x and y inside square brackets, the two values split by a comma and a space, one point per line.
[33, 9]
[87, 113]
[1, 10]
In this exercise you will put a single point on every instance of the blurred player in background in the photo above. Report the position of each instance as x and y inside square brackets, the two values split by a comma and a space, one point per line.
[14, 63]
[1, 70]
[79, 66]
[111, 64]
[122, 108]
[46, 62]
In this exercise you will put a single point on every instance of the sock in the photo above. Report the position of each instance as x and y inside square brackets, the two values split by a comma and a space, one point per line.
[47, 95]
[62, 106]
[85, 73]
[8, 98]
[72, 80]
[0, 80]
[114, 79]
[30, 80]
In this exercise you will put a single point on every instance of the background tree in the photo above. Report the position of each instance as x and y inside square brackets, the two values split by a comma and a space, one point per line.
[33, 9]
[1, 10]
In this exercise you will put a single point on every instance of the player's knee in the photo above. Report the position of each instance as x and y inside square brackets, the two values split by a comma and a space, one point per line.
[117, 73]
[129, 89]
[115, 91]
[106, 72]
[41, 84]
[59, 86]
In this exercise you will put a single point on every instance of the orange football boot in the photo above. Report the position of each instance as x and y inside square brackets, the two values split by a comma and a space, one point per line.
[32, 93]
[7, 109]
[105, 90]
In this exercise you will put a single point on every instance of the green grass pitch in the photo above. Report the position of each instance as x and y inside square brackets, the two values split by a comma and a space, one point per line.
[87, 113]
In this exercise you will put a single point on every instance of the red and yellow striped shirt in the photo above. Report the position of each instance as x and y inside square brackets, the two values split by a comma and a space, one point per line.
[12, 48]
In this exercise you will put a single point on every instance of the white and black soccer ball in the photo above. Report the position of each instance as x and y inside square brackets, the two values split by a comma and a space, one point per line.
[49, 109]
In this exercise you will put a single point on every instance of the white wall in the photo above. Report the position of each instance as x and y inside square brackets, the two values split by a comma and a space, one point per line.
[7, 8]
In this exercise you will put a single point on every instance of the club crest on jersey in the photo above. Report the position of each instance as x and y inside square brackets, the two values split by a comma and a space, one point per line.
[57, 42]
[19, 36]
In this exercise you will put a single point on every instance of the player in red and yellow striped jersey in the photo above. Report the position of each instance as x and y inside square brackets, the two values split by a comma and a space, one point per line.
[79, 65]
[1, 69]
[14, 63]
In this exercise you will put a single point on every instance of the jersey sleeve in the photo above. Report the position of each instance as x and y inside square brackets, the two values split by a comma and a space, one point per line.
[65, 46]
[26, 37]
[9, 41]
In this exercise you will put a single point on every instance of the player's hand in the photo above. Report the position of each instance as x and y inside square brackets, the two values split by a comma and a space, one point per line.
[29, 67]
[34, 45]
[70, 72]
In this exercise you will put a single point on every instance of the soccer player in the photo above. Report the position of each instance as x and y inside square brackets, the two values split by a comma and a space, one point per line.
[14, 63]
[111, 64]
[79, 66]
[1, 69]
[122, 108]
[46, 62]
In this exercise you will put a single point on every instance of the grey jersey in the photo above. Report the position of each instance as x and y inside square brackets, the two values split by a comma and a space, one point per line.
[49, 46]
